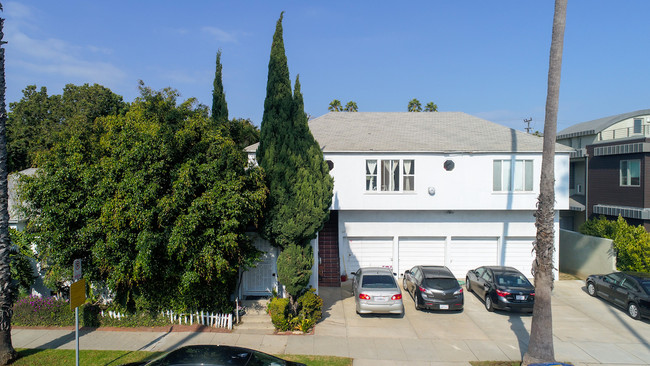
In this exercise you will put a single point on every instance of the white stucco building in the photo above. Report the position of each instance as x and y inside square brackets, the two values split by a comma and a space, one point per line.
[441, 188]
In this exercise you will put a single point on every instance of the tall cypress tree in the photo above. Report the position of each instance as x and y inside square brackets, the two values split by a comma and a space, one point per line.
[300, 187]
[219, 106]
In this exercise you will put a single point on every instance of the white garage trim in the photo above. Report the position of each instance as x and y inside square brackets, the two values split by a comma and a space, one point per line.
[369, 252]
[467, 253]
[415, 251]
[517, 252]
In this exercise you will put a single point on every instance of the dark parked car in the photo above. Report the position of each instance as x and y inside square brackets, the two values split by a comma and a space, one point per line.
[502, 288]
[433, 287]
[629, 290]
[211, 355]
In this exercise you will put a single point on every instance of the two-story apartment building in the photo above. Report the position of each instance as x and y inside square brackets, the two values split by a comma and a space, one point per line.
[608, 174]
[443, 188]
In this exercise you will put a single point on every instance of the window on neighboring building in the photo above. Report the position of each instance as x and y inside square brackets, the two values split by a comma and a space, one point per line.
[507, 177]
[390, 173]
[638, 125]
[630, 173]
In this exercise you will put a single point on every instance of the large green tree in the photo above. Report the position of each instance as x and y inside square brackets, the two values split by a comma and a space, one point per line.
[540, 346]
[300, 187]
[162, 202]
[7, 292]
[37, 121]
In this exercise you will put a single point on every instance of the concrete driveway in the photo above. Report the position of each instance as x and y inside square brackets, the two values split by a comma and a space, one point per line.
[586, 330]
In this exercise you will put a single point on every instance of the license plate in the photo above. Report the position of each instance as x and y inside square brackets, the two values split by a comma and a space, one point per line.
[520, 297]
[381, 298]
[444, 307]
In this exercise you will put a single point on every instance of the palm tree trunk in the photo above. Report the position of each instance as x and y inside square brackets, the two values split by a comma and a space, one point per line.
[540, 347]
[7, 352]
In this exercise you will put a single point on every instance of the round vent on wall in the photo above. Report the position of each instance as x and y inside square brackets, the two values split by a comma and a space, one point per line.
[449, 165]
[330, 164]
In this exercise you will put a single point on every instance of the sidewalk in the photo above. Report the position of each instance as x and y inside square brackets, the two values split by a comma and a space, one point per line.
[587, 332]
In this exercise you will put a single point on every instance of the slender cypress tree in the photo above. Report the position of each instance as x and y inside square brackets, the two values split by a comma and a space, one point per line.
[300, 187]
[7, 352]
[219, 106]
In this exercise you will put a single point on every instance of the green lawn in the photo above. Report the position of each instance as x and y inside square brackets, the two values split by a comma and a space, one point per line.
[64, 357]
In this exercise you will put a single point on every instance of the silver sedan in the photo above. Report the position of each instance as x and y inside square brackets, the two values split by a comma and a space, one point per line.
[376, 291]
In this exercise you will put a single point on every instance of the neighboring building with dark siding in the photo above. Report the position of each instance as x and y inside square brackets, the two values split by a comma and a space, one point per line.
[608, 169]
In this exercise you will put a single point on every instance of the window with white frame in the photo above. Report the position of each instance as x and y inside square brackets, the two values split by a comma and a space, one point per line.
[638, 125]
[512, 175]
[630, 173]
[393, 175]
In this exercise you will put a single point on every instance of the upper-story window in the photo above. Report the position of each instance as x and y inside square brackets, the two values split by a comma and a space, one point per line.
[630, 173]
[394, 175]
[507, 178]
[638, 125]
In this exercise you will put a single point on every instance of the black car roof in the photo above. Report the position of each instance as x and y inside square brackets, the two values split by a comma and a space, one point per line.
[437, 272]
[638, 275]
[503, 269]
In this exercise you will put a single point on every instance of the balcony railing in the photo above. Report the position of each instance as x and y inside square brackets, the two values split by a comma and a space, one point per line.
[621, 133]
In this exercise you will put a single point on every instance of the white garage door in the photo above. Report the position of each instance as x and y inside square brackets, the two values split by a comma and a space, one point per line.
[518, 253]
[369, 252]
[469, 253]
[420, 251]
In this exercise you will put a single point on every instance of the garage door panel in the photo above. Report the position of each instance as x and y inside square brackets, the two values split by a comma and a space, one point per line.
[518, 253]
[420, 251]
[369, 252]
[469, 253]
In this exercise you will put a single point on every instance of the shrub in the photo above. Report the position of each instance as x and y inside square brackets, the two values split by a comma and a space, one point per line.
[279, 311]
[310, 310]
[631, 243]
[46, 311]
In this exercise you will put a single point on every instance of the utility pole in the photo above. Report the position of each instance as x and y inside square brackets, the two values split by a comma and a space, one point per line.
[527, 122]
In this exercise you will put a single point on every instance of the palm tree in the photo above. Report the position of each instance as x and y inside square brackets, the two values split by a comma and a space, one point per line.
[431, 107]
[351, 107]
[7, 352]
[415, 106]
[540, 346]
[335, 106]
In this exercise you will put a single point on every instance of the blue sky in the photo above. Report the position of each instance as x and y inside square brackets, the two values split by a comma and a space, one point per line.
[485, 58]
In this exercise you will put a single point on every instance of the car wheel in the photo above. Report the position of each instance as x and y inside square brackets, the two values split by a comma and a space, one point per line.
[591, 288]
[468, 284]
[633, 311]
[404, 284]
[489, 306]
[417, 302]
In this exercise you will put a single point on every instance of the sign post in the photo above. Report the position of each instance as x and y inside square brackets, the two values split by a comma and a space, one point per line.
[77, 298]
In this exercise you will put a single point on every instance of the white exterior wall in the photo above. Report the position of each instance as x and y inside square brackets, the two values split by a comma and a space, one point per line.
[500, 225]
[467, 187]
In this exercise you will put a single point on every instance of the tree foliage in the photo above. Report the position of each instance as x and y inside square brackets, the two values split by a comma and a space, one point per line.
[219, 105]
[21, 257]
[37, 121]
[431, 107]
[157, 209]
[300, 187]
[351, 106]
[335, 106]
[631, 243]
[7, 352]
[414, 106]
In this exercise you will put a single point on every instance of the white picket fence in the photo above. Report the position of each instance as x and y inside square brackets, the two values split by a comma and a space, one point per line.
[215, 320]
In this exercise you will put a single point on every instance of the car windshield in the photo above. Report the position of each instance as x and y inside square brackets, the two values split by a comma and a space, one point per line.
[512, 280]
[378, 281]
[441, 283]
[198, 355]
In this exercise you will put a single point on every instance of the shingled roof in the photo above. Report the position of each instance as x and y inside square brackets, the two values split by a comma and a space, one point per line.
[442, 132]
